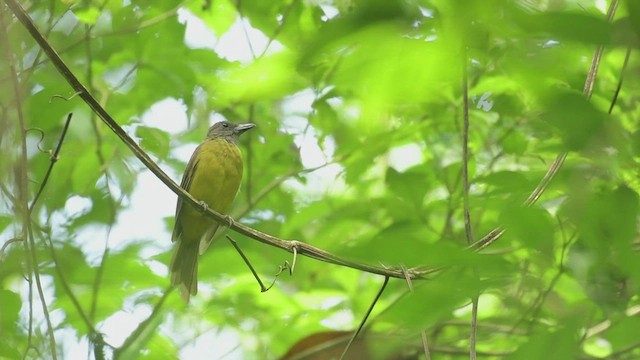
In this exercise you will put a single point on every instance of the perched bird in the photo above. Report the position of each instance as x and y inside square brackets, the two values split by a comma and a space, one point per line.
[213, 175]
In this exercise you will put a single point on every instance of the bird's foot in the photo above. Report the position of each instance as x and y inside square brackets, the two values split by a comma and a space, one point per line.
[203, 207]
[229, 220]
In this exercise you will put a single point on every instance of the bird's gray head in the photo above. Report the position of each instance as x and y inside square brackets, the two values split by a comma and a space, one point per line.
[228, 131]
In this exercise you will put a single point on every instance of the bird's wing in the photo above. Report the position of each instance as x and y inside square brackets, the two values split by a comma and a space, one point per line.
[187, 178]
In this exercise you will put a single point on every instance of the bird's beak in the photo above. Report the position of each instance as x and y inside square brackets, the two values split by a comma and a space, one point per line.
[244, 127]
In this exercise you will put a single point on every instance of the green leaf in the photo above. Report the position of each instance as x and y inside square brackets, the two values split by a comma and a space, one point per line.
[533, 227]
[430, 302]
[86, 172]
[621, 334]
[582, 26]
[4, 222]
[560, 344]
[606, 214]
[578, 121]
[267, 78]
[9, 352]
[87, 15]
[508, 182]
[411, 185]
[218, 17]
[515, 143]
[10, 304]
[146, 341]
[154, 140]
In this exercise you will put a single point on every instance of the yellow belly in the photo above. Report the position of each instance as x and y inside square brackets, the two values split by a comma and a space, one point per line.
[216, 181]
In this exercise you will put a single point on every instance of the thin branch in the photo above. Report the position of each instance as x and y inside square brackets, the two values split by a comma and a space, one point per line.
[263, 288]
[244, 30]
[619, 86]
[465, 199]
[278, 30]
[407, 278]
[249, 156]
[101, 160]
[587, 90]
[425, 345]
[624, 350]
[455, 351]
[605, 325]
[98, 345]
[366, 316]
[319, 348]
[474, 328]
[9, 242]
[7, 193]
[561, 270]
[67, 288]
[27, 72]
[54, 159]
[493, 328]
[134, 29]
[143, 328]
[557, 163]
[23, 194]
[288, 245]
[275, 183]
[465, 153]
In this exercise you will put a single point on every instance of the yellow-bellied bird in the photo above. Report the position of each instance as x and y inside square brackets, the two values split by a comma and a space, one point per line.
[213, 175]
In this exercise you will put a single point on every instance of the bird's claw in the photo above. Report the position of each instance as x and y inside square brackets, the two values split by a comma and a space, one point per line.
[229, 220]
[203, 206]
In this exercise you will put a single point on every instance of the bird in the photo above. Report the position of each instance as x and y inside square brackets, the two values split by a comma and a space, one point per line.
[213, 176]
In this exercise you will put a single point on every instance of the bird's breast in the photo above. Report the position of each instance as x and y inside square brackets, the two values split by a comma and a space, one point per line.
[218, 175]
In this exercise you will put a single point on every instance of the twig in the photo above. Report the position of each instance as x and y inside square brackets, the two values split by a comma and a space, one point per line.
[278, 30]
[54, 158]
[7, 193]
[603, 326]
[142, 329]
[425, 345]
[366, 316]
[465, 199]
[277, 182]
[302, 248]
[539, 301]
[423, 333]
[67, 288]
[23, 193]
[253, 271]
[624, 350]
[474, 327]
[249, 157]
[41, 132]
[244, 29]
[619, 86]
[101, 159]
[407, 278]
[9, 242]
[455, 351]
[293, 262]
[98, 345]
[557, 163]
[56, 96]
[465, 153]
[288, 245]
[319, 348]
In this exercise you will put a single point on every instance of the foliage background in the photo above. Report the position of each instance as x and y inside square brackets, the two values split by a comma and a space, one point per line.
[376, 88]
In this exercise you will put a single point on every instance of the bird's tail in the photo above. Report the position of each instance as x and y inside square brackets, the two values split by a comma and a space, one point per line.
[184, 268]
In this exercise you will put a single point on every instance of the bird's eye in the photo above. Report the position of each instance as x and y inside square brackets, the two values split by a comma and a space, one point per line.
[225, 124]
